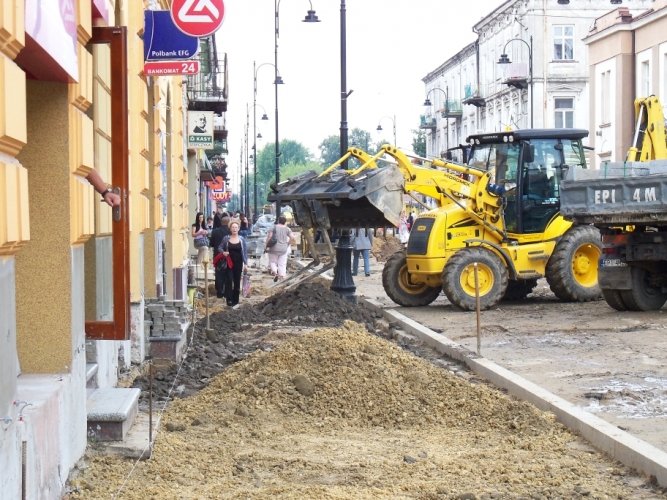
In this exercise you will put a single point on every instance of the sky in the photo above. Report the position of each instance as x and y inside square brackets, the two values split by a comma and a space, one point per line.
[391, 46]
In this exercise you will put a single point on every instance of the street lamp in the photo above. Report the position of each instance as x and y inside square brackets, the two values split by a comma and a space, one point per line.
[504, 59]
[311, 17]
[393, 122]
[277, 81]
[427, 103]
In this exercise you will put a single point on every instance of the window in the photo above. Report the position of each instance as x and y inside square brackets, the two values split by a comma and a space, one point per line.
[563, 43]
[564, 112]
[605, 103]
[645, 76]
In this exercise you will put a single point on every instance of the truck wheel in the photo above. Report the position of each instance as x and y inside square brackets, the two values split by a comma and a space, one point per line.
[519, 289]
[614, 299]
[399, 288]
[642, 296]
[458, 278]
[572, 270]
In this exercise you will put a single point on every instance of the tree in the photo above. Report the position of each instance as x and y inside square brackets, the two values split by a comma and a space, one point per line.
[330, 147]
[419, 142]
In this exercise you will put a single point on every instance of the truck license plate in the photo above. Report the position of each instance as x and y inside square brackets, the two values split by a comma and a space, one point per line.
[612, 263]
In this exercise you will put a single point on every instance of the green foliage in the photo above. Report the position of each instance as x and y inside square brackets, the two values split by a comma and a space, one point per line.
[419, 142]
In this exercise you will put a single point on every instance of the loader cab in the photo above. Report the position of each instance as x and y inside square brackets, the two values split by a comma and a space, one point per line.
[529, 164]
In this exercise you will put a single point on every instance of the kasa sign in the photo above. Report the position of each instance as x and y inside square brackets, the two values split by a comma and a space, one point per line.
[197, 17]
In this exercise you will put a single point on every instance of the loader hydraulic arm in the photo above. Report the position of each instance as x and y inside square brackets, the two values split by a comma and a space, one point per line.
[649, 141]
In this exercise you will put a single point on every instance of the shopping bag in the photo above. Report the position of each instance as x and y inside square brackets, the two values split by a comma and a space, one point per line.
[245, 285]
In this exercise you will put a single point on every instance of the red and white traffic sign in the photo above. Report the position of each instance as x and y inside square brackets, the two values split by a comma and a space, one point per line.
[163, 68]
[197, 17]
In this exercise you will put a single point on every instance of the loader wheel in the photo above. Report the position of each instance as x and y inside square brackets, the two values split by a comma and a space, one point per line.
[614, 299]
[572, 270]
[458, 278]
[643, 296]
[399, 288]
[519, 289]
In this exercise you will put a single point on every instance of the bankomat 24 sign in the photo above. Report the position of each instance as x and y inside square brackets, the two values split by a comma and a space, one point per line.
[197, 17]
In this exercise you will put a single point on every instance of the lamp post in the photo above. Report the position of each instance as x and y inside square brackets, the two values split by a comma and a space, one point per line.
[254, 131]
[504, 59]
[311, 17]
[393, 122]
[427, 103]
[344, 94]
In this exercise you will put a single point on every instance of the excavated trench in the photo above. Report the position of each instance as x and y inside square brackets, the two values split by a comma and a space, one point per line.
[302, 394]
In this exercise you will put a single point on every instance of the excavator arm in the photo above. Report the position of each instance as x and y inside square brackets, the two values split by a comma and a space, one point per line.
[649, 141]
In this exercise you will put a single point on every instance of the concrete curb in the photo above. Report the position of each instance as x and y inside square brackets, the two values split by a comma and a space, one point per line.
[620, 445]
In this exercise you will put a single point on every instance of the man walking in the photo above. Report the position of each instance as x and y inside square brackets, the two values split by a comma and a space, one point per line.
[363, 242]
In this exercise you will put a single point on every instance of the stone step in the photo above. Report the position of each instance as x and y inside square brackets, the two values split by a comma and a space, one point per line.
[111, 412]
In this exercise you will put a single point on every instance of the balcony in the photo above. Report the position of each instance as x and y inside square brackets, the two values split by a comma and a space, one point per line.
[427, 122]
[473, 97]
[452, 109]
[207, 90]
[516, 75]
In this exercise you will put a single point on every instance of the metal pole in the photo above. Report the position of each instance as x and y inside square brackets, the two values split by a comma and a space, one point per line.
[394, 123]
[343, 84]
[275, 83]
[477, 307]
[247, 161]
[254, 142]
[530, 74]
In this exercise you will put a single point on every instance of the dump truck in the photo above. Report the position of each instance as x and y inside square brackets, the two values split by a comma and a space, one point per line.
[494, 228]
[627, 202]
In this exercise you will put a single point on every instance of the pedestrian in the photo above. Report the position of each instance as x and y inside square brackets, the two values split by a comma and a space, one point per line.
[245, 226]
[410, 221]
[234, 245]
[362, 244]
[220, 230]
[403, 230]
[279, 251]
[199, 234]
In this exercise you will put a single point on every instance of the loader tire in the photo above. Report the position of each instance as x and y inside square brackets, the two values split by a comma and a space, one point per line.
[458, 278]
[399, 288]
[642, 296]
[572, 270]
[614, 299]
[519, 289]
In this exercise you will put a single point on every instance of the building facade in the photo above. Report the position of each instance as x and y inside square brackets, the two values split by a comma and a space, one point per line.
[528, 68]
[75, 274]
[628, 59]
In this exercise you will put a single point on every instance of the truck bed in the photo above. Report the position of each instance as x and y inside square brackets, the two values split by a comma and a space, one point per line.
[617, 194]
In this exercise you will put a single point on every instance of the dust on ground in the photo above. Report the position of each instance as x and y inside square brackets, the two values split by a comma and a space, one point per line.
[299, 394]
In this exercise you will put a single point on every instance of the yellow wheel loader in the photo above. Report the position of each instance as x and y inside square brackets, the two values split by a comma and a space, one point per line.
[494, 227]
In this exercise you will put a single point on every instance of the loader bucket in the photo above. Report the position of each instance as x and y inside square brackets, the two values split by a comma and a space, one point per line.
[370, 198]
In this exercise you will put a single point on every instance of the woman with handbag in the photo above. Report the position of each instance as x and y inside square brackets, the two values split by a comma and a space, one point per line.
[199, 234]
[278, 245]
[235, 251]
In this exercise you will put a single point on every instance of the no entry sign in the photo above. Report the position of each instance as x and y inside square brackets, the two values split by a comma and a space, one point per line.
[197, 17]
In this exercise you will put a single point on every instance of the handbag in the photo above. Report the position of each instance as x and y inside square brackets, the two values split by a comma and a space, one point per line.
[273, 239]
[201, 241]
[245, 285]
[223, 262]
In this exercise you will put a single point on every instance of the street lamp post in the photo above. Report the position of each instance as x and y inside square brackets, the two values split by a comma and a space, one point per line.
[311, 17]
[427, 103]
[504, 59]
[254, 134]
[344, 94]
[393, 122]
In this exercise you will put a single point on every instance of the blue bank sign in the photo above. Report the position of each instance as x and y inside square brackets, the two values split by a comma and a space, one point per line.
[163, 40]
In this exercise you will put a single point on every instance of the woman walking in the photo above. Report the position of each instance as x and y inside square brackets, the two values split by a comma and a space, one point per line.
[279, 251]
[199, 234]
[234, 246]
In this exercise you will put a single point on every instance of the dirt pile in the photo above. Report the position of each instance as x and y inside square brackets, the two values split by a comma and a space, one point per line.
[385, 246]
[339, 413]
[256, 325]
